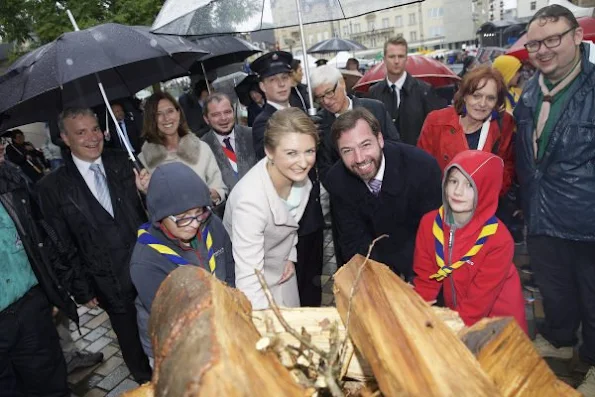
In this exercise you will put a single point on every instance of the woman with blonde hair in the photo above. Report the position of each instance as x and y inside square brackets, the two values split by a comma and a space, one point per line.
[264, 208]
[168, 140]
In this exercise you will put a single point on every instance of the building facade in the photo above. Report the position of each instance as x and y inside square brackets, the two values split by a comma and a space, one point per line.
[431, 24]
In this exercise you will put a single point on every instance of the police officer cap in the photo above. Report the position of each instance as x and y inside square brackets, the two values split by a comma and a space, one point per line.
[272, 63]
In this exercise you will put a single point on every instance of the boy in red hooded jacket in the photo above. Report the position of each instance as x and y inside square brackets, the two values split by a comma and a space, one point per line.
[464, 248]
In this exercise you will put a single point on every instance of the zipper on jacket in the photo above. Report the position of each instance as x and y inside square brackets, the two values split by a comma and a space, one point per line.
[451, 239]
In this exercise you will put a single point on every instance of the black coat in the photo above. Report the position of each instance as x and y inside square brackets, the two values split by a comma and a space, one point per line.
[417, 100]
[38, 239]
[411, 187]
[193, 113]
[133, 129]
[312, 220]
[99, 246]
[328, 154]
[298, 97]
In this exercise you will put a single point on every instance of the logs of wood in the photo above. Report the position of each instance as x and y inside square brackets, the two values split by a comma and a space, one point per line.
[204, 342]
[508, 357]
[411, 352]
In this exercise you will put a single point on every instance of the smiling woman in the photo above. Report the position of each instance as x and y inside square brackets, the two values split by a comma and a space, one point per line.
[168, 140]
[477, 121]
[265, 207]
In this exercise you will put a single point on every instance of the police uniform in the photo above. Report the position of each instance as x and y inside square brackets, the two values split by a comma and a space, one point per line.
[311, 230]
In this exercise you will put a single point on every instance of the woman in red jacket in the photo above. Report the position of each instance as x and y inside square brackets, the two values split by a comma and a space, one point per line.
[477, 121]
[465, 249]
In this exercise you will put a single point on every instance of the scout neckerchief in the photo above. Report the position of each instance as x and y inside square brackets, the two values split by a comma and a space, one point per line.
[489, 229]
[146, 238]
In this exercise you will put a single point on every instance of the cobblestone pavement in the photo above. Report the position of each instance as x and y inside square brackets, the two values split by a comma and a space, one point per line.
[111, 378]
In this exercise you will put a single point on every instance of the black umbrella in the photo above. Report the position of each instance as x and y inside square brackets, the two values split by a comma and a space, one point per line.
[64, 72]
[223, 51]
[244, 87]
[335, 45]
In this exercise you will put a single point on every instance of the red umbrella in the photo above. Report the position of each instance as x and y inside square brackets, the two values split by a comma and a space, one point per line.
[424, 68]
[518, 49]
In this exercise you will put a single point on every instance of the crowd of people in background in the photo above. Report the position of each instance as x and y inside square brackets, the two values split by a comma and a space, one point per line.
[453, 185]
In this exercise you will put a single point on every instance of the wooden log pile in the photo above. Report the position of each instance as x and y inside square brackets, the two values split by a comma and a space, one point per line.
[207, 342]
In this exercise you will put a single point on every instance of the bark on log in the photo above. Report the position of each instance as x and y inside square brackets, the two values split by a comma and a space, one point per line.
[411, 352]
[508, 357]
[204, 342]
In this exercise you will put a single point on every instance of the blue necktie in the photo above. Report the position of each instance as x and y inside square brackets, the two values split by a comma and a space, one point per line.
[375, 186]
[227, 142]
[102, 190]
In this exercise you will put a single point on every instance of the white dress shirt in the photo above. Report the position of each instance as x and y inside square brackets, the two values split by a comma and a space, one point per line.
[350, 107]
[88, 175]
[277, 106]
[379, 175]
[399, 85]
[231, 136]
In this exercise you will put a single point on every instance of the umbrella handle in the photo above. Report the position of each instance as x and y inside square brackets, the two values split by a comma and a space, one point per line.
[311, 110]
[131, 155]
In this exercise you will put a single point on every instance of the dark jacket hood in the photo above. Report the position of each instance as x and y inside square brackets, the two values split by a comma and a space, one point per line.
[175, 188]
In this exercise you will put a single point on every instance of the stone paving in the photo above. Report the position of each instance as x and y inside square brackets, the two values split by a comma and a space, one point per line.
[111, 378]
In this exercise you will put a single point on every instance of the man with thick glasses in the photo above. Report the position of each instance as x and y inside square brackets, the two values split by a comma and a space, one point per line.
[182, 232]
[556, 171]
[329, 92]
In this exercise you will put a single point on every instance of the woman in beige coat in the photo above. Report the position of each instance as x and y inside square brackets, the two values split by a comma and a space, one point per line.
[168, 140]
[264, 208]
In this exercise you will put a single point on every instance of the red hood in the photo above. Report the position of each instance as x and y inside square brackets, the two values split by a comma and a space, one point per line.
[485, 170]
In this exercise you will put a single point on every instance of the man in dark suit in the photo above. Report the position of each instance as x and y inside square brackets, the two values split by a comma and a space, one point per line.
[274, 72]
[231, 143]
[408, 99]
[379, 187]
[299, 92]
[93, 205]
[130, 128]
[329, 91]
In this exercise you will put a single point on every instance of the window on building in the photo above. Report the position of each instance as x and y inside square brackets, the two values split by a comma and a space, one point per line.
[385, 23]
[311, 39]
[412, 18]
[533, 5]
[436, 31]
[370, 26]
[398, 21]
[435, 12]
[413, 36]
[325, 35]
[356, 28]
[345, 31]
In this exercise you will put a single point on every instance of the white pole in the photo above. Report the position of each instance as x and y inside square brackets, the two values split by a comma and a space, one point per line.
[311, 110]
[105, 100]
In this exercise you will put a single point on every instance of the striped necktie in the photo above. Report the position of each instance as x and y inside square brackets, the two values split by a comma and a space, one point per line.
[102, 190]
[375, 186]
[230, 154]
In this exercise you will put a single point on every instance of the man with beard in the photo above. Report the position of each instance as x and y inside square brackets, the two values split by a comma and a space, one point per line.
[231, 143]
[93, 205]
[274, 71]
[379, 187]
[31, 361]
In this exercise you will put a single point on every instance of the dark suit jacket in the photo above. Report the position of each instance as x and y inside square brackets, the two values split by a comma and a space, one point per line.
[258, 128]
[328, 154]
[417, 100]
[244, 149]
[299, 97]
[312, 220]
[134, 135]
[99, 245]
[411, 187]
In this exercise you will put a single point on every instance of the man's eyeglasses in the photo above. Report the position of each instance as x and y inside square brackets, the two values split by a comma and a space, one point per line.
[550, 42]
[327, 95]
[186, 221]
